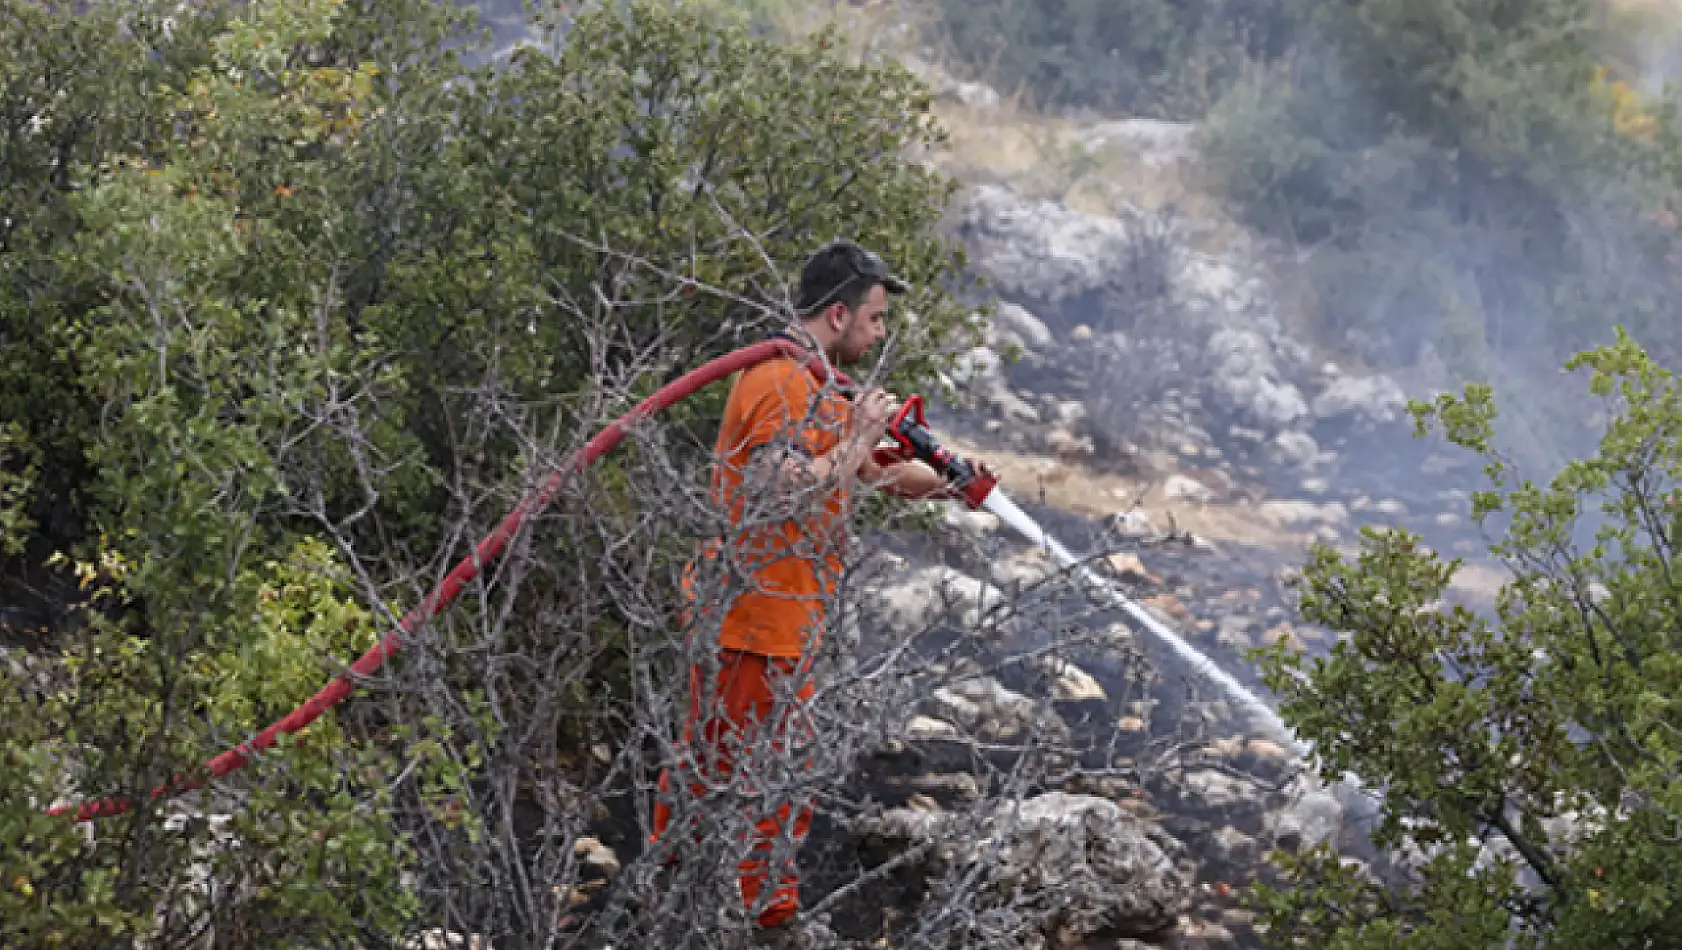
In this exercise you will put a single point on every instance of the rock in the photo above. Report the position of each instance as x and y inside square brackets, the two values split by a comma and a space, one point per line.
[1246, 381]
[1311, 815]
[1233, 632]
[1283, 633]
[1291, 512]
[1130, 724]
[596, 856]
[1134, 525]
[1296, 448]
[983, 706]
[1129, 567]
[1041, 250]
[928, 595]
[961, 786]
[1101, 866]
[928, 728]
[1204, 935]
[1237, 918]
[1212, 790]
[1157, 143]
[1185, 488]
[1075, 685]
[1016, 319]
[1361, 399]
[883, 837]
[1270, 757]
[1169, 607]
[1233, 847]
[976, 95]
[1087, 862]
[1022, 570]
[978, 363]
[1009, 405]
[972, 523]
[1068, 445]
[1070, 414]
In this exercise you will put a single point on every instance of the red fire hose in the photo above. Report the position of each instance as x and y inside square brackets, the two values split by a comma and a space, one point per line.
[487, 550]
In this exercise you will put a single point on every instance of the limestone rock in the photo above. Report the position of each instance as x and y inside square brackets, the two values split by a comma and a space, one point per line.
[1247, 381]
[1075, 685]
[1089, 865]
[1360, 399]
[1041, 250]
[1027, 327]
[1186, 489]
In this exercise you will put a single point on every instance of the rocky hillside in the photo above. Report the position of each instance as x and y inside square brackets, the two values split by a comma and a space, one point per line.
[1160, 412]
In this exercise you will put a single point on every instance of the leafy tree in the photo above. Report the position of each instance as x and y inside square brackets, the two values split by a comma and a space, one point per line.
[1526, 762]
[1462, 178]
[286, 295]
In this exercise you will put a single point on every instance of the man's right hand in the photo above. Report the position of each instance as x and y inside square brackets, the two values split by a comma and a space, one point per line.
[872, 412]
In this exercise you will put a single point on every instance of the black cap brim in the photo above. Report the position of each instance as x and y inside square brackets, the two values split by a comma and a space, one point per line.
[894, 285]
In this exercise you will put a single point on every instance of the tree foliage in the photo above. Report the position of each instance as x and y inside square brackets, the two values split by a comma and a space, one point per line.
[1461, 183]
[285, 291]
[1525, 763]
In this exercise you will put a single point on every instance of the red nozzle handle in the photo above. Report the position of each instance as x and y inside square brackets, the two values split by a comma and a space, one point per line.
[902, 449]
[975, 493]
[899, 429]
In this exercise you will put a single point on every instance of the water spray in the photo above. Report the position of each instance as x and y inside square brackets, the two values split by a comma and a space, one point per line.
[1000, 504]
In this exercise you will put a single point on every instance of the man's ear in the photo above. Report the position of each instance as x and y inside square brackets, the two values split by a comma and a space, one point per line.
[838, 317]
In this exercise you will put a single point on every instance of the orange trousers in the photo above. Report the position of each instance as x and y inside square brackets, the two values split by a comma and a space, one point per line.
[742, 704]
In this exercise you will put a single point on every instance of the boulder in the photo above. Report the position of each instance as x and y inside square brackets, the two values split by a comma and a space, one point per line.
[986, 708]
[1187, 489]
[1134, 525]
[1245, 380]
[1040, 250]
[1088, 866]
[1295, 448]
[1027, 327]
[1365, 400]
[934, 594]
[1073, 684]
[1310, 815]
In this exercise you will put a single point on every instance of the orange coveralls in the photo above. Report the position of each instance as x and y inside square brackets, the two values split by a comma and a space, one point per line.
[770, 630]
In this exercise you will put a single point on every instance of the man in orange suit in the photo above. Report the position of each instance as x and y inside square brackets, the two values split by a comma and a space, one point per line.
[787, 438]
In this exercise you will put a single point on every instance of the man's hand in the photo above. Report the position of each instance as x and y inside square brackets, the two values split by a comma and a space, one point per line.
[872, 412]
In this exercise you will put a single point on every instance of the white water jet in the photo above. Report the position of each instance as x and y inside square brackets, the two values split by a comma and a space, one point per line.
[1263, 714]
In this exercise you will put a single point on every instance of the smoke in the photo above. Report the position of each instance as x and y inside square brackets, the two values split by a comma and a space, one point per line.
[1459, 219]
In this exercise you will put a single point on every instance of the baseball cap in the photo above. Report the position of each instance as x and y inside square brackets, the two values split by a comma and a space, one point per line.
[833, 267]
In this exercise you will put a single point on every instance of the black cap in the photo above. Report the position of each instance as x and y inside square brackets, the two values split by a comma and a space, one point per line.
[834, 268]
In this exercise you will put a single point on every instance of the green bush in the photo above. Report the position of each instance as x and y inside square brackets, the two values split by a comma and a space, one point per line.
[1547, 730]
[1459, 175]
[286, 295]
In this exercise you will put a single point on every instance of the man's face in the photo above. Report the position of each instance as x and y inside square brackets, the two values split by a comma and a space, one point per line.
[863, 328]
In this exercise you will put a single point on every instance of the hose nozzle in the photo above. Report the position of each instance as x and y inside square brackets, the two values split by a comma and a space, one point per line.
[913, 439]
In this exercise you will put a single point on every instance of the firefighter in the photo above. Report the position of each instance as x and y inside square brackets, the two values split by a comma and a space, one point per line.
[788, 435]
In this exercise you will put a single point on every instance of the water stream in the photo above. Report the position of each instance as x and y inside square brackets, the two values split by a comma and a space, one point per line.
[1262, 714]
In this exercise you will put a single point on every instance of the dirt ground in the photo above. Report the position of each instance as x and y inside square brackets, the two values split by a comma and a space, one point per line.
[1092, 492]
